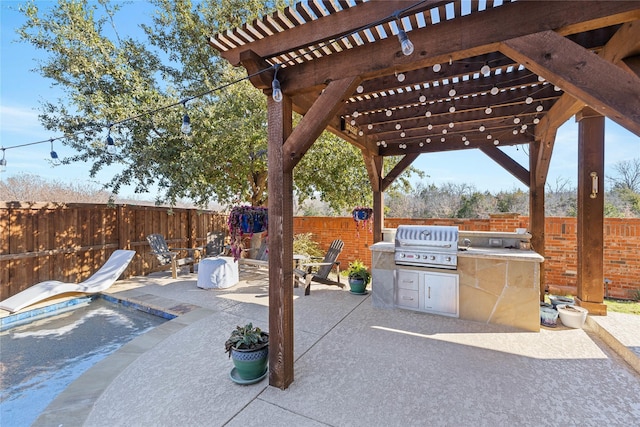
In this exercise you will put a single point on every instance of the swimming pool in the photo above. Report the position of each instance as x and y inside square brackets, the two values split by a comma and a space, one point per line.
[40, 359]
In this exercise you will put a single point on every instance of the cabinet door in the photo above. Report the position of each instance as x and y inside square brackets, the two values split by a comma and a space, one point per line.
[441, 293]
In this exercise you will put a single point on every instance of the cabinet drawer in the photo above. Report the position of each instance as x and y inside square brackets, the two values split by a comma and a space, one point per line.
[408, 280]
[407, 298]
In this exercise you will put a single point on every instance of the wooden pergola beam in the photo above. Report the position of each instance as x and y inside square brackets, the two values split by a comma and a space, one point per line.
[326, 28]
[626, 41]
[595, 81]
[400, 167]
[315, 121]
[510, 165]
[516, 19]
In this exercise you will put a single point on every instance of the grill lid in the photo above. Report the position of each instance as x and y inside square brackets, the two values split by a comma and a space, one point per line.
[425, 237]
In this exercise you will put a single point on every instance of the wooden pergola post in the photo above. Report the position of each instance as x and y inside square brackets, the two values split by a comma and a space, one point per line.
[591, 211]
[280, 246]
[536, 210]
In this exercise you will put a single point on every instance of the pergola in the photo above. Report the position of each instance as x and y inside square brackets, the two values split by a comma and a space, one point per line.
[481, 75]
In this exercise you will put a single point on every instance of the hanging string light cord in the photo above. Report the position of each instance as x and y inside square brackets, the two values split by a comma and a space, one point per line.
[146, 113]
[395, 16]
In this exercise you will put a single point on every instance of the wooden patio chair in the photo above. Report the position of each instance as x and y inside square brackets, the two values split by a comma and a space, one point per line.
[215, 244]
[168, 255]
[261, 259]
[306, 275]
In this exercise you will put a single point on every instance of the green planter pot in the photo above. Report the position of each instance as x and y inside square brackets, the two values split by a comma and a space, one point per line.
[250, 364]
[357, 285]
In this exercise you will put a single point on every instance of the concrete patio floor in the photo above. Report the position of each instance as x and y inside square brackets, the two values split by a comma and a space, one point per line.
[355, 365]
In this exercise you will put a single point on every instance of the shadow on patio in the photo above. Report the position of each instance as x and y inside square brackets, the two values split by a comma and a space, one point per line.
[355, 365]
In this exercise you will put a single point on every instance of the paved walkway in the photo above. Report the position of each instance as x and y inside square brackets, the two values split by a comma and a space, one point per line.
[355, 366]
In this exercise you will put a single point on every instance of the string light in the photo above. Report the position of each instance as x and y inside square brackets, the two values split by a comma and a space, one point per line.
[276, 91]
[437, 68]
[54, 156]
[485, 70]
[111, 146]
[422, 98]
[186, 121]
[405, 43]
[494, 90]
[3, 162]
[360, 89]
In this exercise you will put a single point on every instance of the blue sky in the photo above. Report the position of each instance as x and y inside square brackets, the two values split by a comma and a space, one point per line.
[22, 91]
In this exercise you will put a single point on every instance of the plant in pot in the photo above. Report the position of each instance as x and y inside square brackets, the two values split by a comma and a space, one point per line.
[244, 221]
[248, 347]
[359, 277]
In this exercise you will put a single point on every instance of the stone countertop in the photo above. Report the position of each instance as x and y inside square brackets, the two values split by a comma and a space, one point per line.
[487, 253]
[501, 253]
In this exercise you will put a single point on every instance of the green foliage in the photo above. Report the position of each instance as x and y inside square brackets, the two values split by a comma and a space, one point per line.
[304, 244]
[246, 337]
[108, 77]
[357, 270]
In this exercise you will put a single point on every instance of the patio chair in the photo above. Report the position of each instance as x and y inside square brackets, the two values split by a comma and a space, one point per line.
[215, 244]
[98, 282]
[168, 255]
[306, 275]
[261, 259]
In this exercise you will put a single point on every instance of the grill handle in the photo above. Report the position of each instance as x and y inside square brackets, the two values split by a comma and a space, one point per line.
[425, 245]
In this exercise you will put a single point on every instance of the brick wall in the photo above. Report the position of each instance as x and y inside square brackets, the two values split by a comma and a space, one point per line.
[621, 237]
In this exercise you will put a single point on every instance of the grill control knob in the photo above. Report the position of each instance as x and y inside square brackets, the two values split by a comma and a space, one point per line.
[432, 257]
[448, 258]
[402, 255]
[424, 257]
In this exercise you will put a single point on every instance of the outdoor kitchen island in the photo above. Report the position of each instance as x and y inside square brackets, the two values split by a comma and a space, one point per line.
[496, 280]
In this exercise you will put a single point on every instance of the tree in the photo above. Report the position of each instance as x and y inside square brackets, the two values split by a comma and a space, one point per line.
[137, 90]
[628, 175]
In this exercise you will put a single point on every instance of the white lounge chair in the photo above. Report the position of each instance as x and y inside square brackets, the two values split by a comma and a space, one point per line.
[99, 281]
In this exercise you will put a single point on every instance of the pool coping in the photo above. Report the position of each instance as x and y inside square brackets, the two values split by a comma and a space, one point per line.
[74, 403]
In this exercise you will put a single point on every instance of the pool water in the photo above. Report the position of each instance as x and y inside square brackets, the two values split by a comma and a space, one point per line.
[40, 359]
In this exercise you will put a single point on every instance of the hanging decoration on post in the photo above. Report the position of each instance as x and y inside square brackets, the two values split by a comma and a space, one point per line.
[243, 222]
[363, 217]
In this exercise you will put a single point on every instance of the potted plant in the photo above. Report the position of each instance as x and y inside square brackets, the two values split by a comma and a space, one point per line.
[248, 347]
[359, 277]
[245, 221]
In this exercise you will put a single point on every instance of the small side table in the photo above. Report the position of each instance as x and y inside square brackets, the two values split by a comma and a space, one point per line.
[217, 273]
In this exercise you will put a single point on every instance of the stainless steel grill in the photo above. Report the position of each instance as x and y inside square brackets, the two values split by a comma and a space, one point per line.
[427, 246]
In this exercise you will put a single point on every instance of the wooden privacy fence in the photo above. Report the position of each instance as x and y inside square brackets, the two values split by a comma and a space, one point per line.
[69, 242]
[41, 241]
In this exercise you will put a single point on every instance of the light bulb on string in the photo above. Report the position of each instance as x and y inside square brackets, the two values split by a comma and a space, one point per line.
[427, 114]
[360, 89]
[369, 126]
[485, 70]
[516, 120]
[452, 109]
[355, 114]
[529, 100]
[398, 126]
[186, 121]
[111, 146]
[401, 77]
[452, 92]
[496, 142]
[422, 98]
[276, 90]
[539, 108]
[3, 162]
[488, 110]
[437, 68]
[388, 113]
[54, 156]
[481, 128]
[405, 43]
[536, 121]
[494, 90]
